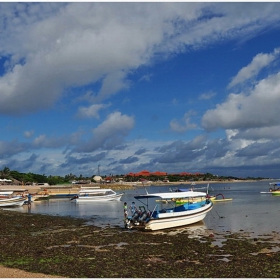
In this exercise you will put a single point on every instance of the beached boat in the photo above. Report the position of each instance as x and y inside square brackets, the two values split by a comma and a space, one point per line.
[172, 215]
[8, 200]
[93, 195]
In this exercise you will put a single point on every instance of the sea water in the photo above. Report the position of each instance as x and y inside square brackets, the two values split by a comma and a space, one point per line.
[249, 211]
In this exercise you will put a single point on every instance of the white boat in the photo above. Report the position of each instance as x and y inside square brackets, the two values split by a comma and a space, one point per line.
[90, 195]
[7, 200]
[175, 215]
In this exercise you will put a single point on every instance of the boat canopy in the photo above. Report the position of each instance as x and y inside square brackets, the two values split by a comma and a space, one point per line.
[13, 190]
[275, 183]
[171, 195]
[183, 190]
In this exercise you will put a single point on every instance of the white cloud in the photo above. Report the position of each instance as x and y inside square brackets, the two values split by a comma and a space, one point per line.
[108, 134]
[207, 95]
[258, 109]
[184, 124]
[28, 134]
[258, 63]
[68, 45]
[91, 111]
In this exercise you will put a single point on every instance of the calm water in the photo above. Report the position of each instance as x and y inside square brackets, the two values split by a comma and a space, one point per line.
[249, 210]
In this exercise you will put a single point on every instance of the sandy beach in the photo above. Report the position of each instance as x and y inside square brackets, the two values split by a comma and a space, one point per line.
[6, 272]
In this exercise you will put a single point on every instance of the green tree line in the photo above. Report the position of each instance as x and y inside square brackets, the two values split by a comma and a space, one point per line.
[30, 178]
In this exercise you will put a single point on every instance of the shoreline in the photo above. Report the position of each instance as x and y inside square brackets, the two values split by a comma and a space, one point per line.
[120, 186]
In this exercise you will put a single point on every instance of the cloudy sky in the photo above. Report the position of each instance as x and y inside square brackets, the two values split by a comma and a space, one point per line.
[174, 87]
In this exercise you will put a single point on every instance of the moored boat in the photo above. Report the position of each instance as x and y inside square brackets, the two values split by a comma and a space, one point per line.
[275, 190]
[194, 199]
[220, 198]
[95, 194]
[175, 215]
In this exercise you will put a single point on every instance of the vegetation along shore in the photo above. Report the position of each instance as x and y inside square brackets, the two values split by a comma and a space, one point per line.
[68, 247]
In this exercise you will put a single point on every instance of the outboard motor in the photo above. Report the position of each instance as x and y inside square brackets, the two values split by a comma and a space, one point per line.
[128, 224]
[135, 216]
[143, 217]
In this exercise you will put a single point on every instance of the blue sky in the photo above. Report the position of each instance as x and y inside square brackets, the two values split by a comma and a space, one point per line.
[174, 87]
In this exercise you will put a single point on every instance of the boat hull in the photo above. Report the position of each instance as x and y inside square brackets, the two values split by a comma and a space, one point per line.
[82, 199]
[276, 193]
[12, 202]
[222, 200]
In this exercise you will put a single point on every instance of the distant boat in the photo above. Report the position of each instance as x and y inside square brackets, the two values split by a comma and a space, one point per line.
[173, 216]
[183, 200]
[40, 196]
[214, 197]
[274, 190]
[223, 199]
[95, 195]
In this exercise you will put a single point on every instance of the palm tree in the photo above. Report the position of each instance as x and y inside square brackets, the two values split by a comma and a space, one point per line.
[5, 173]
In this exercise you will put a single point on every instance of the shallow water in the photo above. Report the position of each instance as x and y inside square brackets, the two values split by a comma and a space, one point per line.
[249, 211]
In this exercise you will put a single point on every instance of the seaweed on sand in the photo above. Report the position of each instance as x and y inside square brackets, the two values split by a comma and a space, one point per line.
[70, 247]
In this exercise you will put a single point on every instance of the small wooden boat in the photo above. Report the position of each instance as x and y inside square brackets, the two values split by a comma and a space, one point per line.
[173, 216]
[223, 199]
[40, 196]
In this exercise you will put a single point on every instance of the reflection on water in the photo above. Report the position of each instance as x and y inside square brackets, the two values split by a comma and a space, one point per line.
[249, 210]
